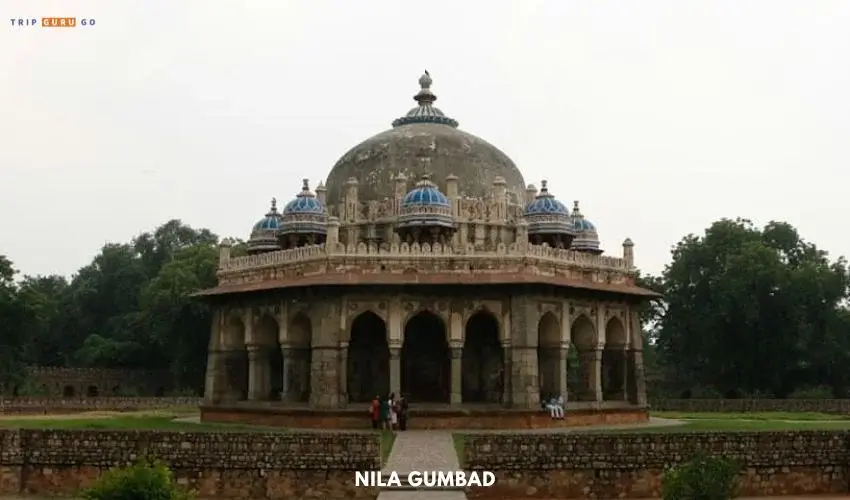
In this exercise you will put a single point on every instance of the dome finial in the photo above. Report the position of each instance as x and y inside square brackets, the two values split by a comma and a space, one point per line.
[273, 208]
[575, 208]
[425, 97]
[425, 112]
[544, 187]
[305, 186]
[425, 81]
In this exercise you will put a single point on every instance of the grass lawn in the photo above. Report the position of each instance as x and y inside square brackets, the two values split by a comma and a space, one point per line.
[727, 422]
[459, 441]
[750, 416]
[127, 421]
[387, 440]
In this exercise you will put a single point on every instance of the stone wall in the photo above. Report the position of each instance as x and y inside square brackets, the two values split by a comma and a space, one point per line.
[752, 405]
[630, 465]
[50, 405]
[93, 382]
[214, 465]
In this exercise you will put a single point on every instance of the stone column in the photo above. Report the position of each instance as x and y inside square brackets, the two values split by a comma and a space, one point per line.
[216, 380]
[595, 373]
[637, 387]
[506, 375]
[623, 368]
[343, 374]
[455, 396]
[324, 379]
[287, 354]
[395, 369]
[259, 376]
[563, 354]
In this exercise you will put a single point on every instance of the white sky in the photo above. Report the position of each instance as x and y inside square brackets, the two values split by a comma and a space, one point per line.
[660, 116]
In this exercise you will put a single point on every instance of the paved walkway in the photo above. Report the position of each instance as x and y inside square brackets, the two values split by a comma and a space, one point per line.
[424, 451]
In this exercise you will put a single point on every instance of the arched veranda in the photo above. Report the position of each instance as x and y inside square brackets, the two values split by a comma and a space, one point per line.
[368, 359]
[583, 337]
[425, 361]
[614, 361]
[548, 356]
[298, 359]
[235, 360]
[483, 360]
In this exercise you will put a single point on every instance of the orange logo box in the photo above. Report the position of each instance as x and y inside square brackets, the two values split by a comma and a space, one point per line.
[58, 22]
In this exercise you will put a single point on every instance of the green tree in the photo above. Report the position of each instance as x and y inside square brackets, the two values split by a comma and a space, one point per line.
[176, 323]
[13, 316]
[752, 310]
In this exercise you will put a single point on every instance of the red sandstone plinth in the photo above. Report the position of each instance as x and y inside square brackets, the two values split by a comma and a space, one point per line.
[470, 417]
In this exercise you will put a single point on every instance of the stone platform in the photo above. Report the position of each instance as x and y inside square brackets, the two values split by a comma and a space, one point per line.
[427, 416]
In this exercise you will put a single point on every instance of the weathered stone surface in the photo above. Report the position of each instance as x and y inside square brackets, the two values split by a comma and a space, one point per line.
[215, 465]
[841, 406]
[631, 465]
[417, 149]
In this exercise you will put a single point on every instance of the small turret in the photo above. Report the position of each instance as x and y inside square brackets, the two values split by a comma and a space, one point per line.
[224, 252]
[629, 252]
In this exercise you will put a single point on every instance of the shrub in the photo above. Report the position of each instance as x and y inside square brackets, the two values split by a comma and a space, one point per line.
[142, 481]
[818, 392]
[703, 478]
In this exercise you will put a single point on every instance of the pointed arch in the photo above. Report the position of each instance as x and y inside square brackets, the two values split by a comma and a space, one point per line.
[583, 333]
[368, 370]
[548, 352]
[482, 365]
[425, 361]
[297, 366]
[265, 330]
[235, 359]
[615, 333]
[614, 361]
[582, 379]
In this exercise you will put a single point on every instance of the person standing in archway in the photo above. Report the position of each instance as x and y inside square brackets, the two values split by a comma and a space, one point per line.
[402, 412]
[375, 412]
[385, 412]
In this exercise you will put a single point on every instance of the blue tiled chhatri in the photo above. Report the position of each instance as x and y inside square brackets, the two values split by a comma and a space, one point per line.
[305, 202]
[271, 222]
[425, 206]
[546, 204]
[546, 215]
[425, 194]
[586, 240]
[264, 232]
[305, 214]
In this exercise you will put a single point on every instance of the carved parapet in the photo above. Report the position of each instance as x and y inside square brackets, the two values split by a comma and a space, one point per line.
[413, 258]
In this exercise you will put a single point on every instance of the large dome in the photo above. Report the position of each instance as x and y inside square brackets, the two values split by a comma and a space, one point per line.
[423, 142]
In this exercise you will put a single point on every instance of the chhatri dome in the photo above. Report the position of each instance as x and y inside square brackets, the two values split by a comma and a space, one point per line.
[424, 141]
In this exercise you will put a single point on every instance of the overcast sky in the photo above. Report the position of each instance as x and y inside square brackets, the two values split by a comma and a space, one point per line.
[660, 116]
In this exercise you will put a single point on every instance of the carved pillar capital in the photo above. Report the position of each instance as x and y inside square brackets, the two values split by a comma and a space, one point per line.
[255, 350]
[395, 352]
[457, 352]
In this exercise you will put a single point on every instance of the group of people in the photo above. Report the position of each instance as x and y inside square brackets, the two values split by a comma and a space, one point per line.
[389, 413]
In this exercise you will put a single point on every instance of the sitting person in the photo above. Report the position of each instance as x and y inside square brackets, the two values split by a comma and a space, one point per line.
[556, 407]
